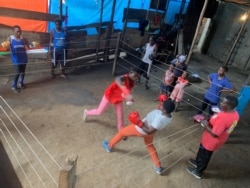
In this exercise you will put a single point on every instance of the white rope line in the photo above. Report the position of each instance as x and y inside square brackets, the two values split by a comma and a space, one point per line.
[201, 100]
[16, 158]
[34, 153]
[82, 57]
[157, 78]
[30, 132]
[168, 136]
[73, 44]
[130, 179]
[166, 156]
[42, 164]
[155, 84]
[141, 158]
[69, 68]
[206, 80]
[20, 149]
[48, 62]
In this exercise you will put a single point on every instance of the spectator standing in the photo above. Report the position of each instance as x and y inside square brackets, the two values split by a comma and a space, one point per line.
[215, 134]
[58, 42]
[147, 60]
[19, 57]
[218, 83]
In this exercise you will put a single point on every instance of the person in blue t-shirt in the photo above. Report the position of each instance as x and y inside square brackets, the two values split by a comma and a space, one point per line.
[19, 57]
[58, 47]
[218, 84]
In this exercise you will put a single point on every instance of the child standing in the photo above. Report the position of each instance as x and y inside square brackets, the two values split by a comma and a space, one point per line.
[58, 42]
[177, 93]
[115, 94]
[166, 85]
[19, 57]
[167, 81]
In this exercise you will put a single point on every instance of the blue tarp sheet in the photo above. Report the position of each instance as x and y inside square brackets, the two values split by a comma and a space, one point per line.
[88, 11]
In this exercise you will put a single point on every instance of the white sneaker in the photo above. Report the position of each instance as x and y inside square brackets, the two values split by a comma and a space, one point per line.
[85, 117]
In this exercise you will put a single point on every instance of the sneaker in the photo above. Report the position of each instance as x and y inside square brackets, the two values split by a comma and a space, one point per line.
[193, 171]
[193, 162]
[146, 87]
[85, 117]
[158, 170]
[63, 76]
[105, 144]
[125, 138]
[15, 89]
[21, 86]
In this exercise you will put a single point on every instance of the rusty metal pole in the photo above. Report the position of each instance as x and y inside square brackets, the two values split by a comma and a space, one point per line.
[197, 30]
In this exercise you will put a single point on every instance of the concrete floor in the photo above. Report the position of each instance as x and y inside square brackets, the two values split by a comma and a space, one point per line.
[52, 111]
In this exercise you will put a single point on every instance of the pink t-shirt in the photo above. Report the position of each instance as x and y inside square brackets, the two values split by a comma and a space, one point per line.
[222, 123]
[169, 77]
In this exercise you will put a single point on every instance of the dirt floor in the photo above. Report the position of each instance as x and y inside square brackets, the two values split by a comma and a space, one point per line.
[52, 110]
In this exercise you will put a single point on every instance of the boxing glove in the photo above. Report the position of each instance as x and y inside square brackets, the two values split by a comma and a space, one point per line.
[134, 117]
[162, 98]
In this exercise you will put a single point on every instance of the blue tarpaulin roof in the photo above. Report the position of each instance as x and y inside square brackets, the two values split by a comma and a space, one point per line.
[88, 11]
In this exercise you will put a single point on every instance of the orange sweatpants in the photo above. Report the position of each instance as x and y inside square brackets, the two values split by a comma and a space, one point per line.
[130, 130]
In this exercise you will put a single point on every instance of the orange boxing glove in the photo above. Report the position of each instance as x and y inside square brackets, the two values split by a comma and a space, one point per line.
[134, 117]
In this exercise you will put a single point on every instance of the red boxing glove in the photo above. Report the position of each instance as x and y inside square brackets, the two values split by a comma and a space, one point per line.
[162, 98]
[134, 117]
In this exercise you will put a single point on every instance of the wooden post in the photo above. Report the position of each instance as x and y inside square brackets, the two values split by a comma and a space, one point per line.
[197, 30]
[116, 52]
[68, 172]
[125, 22]
[110, 27]
[60, 9]
[99, 32]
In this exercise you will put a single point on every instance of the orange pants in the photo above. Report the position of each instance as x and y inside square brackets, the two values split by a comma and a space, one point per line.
[130, 130]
